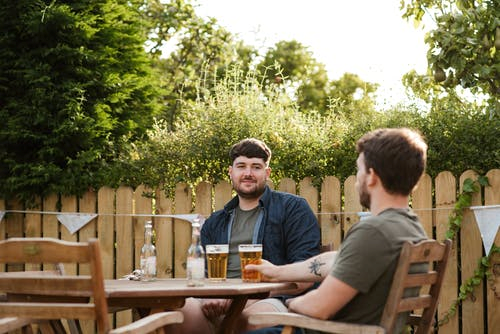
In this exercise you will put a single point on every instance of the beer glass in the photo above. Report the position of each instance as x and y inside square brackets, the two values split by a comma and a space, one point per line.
[217, 261]
[250, 254]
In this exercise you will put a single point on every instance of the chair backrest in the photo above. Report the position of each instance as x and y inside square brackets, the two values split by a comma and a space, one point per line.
[52, 296]
[416, 290]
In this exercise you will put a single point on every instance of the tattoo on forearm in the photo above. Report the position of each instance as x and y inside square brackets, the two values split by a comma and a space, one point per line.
[314, 267]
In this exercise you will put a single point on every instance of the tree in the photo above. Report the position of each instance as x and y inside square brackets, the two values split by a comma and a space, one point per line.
[291, 65]
[464, 48]
[76, 87]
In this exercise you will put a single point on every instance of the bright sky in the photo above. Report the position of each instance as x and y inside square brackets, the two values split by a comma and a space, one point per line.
[365, 37]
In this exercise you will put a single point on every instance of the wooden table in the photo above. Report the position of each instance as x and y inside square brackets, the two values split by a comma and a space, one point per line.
[168, 294]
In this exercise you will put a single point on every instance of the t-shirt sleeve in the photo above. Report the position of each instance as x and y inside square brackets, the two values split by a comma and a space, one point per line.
[364, 255]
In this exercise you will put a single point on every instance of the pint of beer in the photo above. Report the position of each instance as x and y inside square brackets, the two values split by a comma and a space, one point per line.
[217, 261]
[250, 254]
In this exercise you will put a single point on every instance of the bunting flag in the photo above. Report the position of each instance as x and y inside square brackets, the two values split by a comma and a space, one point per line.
[488, 221]
[2, 213]
[74, 222]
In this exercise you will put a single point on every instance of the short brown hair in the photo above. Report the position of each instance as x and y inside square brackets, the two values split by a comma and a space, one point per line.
[398, 156]
[250, 148]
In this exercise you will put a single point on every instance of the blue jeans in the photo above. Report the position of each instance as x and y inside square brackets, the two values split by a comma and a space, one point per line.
[273, 330]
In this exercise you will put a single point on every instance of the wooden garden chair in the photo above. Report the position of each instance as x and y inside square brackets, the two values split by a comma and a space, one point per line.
[417, 307]
[86, 299]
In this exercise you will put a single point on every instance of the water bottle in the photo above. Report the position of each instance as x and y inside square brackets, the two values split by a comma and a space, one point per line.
[148, 254]
[195, 257]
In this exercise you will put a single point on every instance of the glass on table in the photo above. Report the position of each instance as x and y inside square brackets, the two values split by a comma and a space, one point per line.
[217, 261]
[250, 254]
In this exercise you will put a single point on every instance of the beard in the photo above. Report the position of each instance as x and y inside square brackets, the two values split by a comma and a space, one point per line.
[364, 197]
[255, 192]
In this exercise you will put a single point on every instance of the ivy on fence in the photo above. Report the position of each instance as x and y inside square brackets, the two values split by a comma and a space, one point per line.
[470, 187]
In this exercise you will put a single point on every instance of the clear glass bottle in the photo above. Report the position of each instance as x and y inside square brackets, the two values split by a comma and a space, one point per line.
[196, 257]
[148, 254]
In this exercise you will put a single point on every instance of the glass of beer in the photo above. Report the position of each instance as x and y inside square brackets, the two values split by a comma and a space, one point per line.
[217, 261]
[250, 254]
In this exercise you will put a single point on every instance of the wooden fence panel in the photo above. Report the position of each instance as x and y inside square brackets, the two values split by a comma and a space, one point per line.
[87, 204]
[287, 185]
[351, 203]
[310, 193]
[124, 242]
[203, 201]
[50, 224]
[68, 204]
[445, 185]
[492, 197]
[106, 230]
[143, 206]
[223, 194]
[164, 235]
[337, 212]
[421, 202]
[182, 229]
[470, 240]
[14, 228]
[330, 218]
[33, 228]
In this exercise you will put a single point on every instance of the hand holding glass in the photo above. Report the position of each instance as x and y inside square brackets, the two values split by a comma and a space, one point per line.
[250, 254]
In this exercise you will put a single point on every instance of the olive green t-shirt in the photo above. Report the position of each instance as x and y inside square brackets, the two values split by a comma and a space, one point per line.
[367, 261]
[241, 233]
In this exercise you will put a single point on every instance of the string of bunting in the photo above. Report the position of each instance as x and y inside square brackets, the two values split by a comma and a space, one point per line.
[487, 217]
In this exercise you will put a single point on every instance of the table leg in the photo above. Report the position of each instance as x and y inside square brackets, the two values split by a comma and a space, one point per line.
[228, 324]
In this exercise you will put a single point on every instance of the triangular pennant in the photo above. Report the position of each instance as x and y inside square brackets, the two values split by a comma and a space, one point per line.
[74, 222]
[2, 213]
[488, 221]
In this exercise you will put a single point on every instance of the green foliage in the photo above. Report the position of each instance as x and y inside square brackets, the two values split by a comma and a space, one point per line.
[461, 134]
[469, 188]
[198, 148]
[464, 48]
[75, 86]
[291, 66]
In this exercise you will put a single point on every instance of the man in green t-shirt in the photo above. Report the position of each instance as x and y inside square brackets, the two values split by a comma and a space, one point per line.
[355, 281]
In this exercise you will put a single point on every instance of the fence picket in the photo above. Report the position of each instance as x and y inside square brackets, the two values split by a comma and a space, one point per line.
[470, 240]
[445, 185]
[330, 218]
[124, 242]
[492, 197]
[164, 235]
[182, 229]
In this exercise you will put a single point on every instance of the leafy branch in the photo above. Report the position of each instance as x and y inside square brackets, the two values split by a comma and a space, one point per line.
[455, 219]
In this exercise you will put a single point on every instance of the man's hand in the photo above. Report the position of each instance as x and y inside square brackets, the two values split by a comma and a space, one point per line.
[214, 308]
[269, 272]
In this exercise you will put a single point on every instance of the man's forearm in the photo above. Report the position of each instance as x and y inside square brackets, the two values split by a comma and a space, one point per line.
[314, 269]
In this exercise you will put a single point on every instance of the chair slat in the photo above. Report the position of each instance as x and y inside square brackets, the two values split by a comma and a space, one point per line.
[48, 310]
[46, 285]
[420, 279]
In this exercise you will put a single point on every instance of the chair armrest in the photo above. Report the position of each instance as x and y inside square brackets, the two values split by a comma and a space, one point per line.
[12, 323]
[302, 321]
[150, 323]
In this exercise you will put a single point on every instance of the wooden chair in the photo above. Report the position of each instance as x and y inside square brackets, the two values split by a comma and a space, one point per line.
[86, 299]
[398, 303]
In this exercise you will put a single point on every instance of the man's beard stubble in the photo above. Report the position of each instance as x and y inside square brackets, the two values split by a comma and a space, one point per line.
[256, 193]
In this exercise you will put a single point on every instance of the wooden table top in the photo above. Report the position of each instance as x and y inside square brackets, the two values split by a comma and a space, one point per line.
[178, 288]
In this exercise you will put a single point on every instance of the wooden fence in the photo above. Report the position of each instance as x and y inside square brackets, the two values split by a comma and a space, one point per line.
[121, 214]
